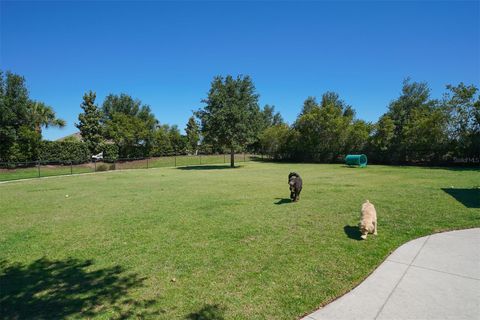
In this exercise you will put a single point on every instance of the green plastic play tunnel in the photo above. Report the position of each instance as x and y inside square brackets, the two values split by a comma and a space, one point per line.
[356, 160]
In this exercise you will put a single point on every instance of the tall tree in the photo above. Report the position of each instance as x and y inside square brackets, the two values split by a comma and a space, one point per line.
[193, 134]
[270, 117]
[231, 116]
[324, 128]
[358, 134]
[129, 134]
[179, 142]
[168, 140]
[21, 120]
[122, 103]
[130, 124]
[89, 122]
[462, 103]
[13, 114]
[380, 142]
[274, 141]
[415, 95]
[42, 115]
[426, 134]
[161, 141]
[308, 105]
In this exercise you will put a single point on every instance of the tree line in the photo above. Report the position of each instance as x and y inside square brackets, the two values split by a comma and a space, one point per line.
[415, 129]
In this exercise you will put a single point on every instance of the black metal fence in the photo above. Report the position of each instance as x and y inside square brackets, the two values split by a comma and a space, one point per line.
[419, 158]
[36, 169]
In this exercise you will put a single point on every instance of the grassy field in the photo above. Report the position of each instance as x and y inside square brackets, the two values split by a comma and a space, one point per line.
[210, 242]
[46, 170]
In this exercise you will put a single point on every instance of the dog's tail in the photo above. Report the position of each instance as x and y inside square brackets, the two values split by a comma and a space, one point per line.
[366, 201]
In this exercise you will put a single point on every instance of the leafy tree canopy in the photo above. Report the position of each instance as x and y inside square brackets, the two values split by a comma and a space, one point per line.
[193, 134]
[130, 124]
[90, 122]
[325, 129]
[21, 120]
[231, 116]
[462, 103]
[269, 117]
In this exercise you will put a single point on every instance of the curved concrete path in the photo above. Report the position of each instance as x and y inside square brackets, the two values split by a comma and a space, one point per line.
[434, 277]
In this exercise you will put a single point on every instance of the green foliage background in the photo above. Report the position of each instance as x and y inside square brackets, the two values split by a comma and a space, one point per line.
[64, 152]
[416, 128]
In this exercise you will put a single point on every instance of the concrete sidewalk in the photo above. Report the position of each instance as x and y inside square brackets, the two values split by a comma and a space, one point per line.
[435, 277]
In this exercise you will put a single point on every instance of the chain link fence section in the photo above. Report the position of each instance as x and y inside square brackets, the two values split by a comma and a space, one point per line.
[37, 169]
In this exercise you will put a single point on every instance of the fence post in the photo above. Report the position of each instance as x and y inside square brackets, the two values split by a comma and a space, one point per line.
[71, 167]
[175, 158]
[115, 164]
[95, 162]
[147, 163]
[243, 156]
[200, 159]
[224, 158]
[38, 165]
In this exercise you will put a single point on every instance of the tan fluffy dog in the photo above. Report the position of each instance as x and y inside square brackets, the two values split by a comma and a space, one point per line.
[368, 222]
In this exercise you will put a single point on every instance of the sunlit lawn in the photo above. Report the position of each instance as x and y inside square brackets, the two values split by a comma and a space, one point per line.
[47, 170]
[180, 243]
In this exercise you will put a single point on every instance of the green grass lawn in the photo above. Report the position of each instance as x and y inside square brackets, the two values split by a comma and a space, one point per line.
[155, 162]
[45, 171]
[212, 242]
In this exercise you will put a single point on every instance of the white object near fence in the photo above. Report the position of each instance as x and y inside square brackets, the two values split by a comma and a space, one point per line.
[98, 156]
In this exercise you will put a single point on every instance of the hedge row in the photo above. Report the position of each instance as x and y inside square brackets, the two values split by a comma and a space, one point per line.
[72, 151]
[110, 152]
[64, 151]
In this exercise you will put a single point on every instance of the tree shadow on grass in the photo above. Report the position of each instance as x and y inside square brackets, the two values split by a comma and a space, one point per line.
[57, 289]
[207, 167]
[208, 312]
[470, 198]
[283, 201]
[353, 232]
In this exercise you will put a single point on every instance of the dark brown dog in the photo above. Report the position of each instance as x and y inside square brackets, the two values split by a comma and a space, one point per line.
[295, 183]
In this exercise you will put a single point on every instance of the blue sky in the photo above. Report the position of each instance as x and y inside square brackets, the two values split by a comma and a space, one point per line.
[166, 53]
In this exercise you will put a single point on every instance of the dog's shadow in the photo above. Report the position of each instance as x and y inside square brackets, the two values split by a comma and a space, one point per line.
[353, 232]
[283, 201]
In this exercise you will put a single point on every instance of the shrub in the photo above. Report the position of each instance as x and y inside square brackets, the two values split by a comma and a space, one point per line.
[110, 152]
[64, 151]
[102, 167]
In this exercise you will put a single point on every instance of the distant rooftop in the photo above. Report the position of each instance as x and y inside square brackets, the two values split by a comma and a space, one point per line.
[74, 136]
[78, 137]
